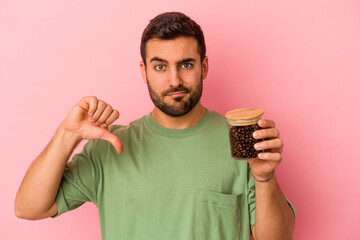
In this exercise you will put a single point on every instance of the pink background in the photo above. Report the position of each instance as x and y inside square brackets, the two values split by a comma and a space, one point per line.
[299, 60]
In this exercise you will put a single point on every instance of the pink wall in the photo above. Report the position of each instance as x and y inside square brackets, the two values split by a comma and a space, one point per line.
[299, 60]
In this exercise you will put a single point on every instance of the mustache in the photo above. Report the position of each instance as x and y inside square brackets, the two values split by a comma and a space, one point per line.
[177, 89]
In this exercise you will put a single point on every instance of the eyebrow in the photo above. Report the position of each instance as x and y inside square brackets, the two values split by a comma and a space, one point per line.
[164, 61]
[187, 60]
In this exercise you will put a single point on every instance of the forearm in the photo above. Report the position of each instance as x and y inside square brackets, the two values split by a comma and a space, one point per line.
[274, 218]
[39, 187]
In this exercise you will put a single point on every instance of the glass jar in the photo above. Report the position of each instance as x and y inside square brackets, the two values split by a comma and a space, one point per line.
[244, 122]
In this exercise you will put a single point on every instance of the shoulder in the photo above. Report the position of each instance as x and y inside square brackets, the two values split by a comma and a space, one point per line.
[101, 149]
[216, 115]
[217, 119]
[123, 129]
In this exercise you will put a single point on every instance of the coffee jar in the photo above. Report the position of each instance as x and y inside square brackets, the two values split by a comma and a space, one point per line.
[244, 122]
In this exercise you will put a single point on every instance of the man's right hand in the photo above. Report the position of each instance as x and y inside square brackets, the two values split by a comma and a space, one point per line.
[90, 118]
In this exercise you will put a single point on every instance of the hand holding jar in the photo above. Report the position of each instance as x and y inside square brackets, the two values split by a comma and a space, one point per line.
[255, 140]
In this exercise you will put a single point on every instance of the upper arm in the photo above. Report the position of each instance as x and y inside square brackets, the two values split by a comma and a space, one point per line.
[37, 216]
[253, 232]
[52, 211]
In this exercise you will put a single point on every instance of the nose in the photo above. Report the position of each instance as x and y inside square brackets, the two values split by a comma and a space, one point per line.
[175, 78]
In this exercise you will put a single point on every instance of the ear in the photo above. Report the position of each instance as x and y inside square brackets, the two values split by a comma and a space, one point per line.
[143, 70]
[205, 67]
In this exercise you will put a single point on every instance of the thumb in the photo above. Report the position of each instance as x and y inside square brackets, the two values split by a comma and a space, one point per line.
[114, 140]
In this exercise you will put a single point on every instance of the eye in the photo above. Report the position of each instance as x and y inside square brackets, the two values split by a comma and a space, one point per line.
[159, 67]
[186, 65]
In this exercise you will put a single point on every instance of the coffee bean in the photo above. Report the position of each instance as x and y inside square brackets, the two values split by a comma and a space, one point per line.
[242, 141]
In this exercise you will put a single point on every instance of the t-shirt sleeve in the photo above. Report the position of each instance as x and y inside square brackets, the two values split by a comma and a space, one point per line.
[292, 206]
[251, 200]
[79, 181]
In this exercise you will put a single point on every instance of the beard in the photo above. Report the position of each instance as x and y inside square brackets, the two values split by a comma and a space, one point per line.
[181, 105]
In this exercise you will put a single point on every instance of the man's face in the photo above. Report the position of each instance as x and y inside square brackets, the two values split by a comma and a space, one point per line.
[174, 74]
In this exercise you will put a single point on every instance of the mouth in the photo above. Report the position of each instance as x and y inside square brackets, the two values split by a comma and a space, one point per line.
[177, 94]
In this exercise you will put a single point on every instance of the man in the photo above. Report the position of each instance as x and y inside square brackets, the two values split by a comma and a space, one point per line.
[175, 177]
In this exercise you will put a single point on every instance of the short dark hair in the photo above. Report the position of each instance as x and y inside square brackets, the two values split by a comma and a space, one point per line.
[171, 25]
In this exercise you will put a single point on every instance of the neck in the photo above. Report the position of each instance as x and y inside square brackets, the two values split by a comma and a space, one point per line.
[186, 121]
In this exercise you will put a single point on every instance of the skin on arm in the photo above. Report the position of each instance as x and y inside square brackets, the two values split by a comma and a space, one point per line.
[88, 119]
[274, 218]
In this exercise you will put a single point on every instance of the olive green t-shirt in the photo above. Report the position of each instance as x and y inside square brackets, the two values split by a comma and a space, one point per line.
[167, 183]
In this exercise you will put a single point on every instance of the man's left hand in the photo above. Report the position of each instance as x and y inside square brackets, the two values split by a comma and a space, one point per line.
[264, 165]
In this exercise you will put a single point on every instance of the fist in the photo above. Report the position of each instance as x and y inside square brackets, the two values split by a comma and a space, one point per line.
[90, 118]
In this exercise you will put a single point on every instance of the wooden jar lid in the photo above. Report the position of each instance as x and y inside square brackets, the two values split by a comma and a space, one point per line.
[244, 116]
